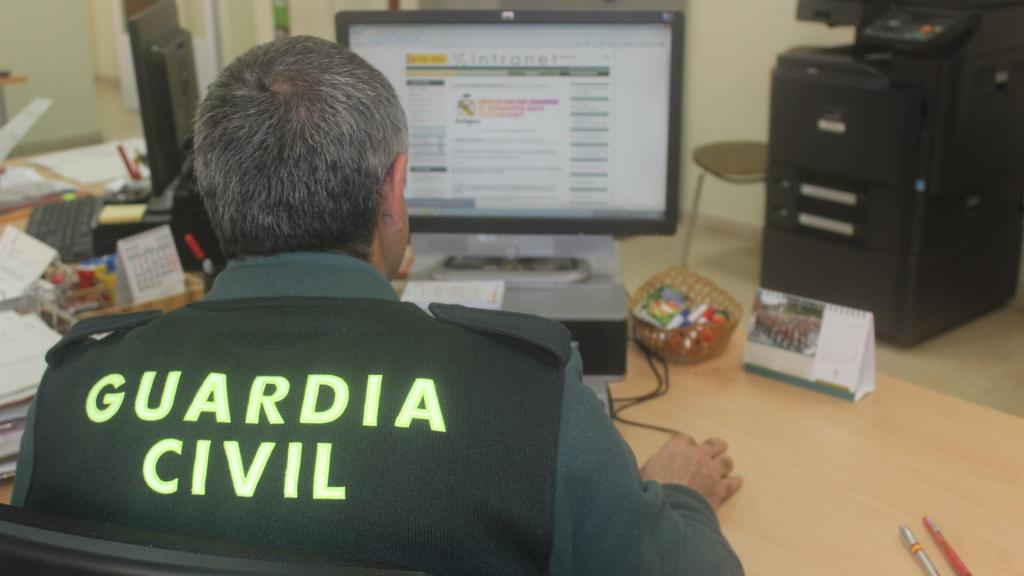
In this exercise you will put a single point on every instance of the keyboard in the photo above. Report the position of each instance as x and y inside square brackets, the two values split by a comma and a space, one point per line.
[67, 226]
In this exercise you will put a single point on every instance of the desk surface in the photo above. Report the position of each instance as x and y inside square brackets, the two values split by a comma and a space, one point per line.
[828, 482]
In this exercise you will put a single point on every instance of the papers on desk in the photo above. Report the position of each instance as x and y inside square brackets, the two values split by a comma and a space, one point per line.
[24, 341]
[92, 164]
[23, 259]
[489, 294]
[813, 344]
[23, 186]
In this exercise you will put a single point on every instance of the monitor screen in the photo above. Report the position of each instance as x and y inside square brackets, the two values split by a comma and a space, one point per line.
[533, 122]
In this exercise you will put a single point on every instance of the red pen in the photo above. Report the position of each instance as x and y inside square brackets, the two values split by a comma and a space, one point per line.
[951, 556]
[200, 255]
[132, 173]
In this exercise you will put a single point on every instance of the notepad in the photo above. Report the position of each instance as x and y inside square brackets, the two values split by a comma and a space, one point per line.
[121, 214]
[811, 343]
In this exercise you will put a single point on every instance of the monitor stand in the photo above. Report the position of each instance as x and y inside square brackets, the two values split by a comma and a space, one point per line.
[588, 297]
[522, 270]
[518, 260]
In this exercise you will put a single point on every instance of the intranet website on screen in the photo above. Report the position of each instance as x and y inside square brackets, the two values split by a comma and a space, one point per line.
[534, 121]
[510, 129]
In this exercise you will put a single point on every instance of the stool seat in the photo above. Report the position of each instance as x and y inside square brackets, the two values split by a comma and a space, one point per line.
[738, 161]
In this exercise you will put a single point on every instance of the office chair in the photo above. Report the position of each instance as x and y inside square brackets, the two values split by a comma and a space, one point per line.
[32, 543]
[737, 162]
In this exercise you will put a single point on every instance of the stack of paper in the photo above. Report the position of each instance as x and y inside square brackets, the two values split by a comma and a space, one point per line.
[24, 341]
[21, 186]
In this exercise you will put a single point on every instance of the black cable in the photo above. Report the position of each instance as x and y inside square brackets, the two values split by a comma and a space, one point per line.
[661, 388]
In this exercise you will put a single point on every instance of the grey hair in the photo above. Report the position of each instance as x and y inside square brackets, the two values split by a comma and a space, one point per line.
[293, 144]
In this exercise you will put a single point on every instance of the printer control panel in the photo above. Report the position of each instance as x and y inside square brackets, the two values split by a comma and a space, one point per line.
[909, 28]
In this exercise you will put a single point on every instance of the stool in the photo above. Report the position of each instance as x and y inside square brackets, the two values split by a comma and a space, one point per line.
[735, 161]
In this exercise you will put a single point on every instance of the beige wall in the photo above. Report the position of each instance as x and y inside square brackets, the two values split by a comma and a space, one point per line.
[49, 41]
[730, 52]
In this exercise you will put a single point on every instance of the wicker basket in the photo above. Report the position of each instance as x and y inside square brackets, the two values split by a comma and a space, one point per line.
[694, 342]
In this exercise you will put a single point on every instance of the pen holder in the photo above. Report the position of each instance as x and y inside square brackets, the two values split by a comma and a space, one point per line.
[683, 316]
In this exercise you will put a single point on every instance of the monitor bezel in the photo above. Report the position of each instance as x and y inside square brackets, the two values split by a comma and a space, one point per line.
[666, 225]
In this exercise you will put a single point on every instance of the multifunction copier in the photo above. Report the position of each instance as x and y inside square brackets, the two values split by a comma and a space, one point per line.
[896, 165]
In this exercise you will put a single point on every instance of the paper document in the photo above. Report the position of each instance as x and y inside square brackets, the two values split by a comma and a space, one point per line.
[92, 164]
[12, 132]
[489, 294]
[24, 341]
[23, 259]
[20, 185]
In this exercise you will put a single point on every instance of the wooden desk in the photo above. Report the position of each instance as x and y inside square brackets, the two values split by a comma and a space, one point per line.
[828, 482]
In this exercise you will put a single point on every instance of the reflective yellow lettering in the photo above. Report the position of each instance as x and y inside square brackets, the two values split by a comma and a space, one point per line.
[322, 473]
[200, 466]
[142, 409]
[211, 397]
[112, 400]
[149, 466]
[258, 398]
[291, 471]
[372, 405]
[422, 393]
[245, 482]
[309, 413]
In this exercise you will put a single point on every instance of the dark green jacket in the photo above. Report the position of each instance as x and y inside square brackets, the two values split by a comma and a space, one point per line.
[607, 521]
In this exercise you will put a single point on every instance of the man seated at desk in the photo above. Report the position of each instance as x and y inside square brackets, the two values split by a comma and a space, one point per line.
[302, 407]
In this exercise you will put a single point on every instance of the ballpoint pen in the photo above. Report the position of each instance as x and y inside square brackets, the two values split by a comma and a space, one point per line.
[951, 555]
[917, 551]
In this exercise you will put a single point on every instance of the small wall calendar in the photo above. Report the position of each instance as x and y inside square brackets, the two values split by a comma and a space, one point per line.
[811, 343]
[148, 267]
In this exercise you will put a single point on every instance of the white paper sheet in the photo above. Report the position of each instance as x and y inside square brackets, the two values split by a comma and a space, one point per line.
[92, 164]
[485, 294]
[24, 341]
[16, 129]
[23, 259]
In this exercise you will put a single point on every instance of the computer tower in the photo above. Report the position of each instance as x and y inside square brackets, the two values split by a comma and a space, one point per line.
[896, 166]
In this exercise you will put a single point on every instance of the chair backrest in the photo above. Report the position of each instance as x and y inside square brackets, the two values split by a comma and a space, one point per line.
[34, 543]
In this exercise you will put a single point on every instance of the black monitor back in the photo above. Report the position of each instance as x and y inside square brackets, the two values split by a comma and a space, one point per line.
[165, 73]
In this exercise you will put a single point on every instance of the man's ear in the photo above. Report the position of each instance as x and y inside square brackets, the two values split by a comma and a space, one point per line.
[393, 194]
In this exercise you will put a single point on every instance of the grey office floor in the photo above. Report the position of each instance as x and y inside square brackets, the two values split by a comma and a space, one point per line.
[981, 361]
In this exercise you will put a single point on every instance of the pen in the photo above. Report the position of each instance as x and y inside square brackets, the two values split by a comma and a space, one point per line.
[197, 251]
[127, 164]
[951, 555]
[917, 551]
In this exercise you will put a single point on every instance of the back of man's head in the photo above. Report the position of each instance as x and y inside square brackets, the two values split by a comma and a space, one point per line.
[293, 143]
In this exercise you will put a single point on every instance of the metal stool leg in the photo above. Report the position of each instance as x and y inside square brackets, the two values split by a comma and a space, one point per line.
[691, 225]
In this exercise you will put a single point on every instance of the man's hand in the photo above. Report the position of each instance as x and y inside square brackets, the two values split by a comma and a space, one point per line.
[704, 467]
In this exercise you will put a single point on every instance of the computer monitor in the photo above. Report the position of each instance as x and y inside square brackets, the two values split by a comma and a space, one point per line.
[165, 73]
[534, 122]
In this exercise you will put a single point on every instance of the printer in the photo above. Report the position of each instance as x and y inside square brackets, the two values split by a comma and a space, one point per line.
[896, 165]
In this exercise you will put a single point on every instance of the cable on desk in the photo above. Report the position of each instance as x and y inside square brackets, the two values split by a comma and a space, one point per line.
[662, 387]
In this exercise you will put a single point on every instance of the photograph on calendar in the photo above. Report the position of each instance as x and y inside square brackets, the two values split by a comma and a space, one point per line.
[787, 322]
